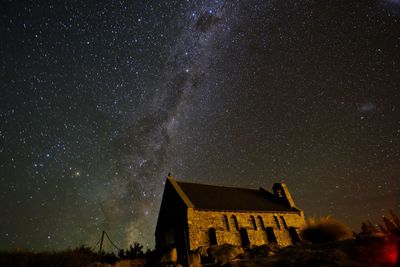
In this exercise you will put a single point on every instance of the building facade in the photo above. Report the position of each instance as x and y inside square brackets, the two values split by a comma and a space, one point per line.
[197, 215]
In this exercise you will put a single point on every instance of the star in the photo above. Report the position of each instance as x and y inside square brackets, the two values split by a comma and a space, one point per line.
[100, 102]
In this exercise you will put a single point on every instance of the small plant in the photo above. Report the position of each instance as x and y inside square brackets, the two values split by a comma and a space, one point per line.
[390, 229]
[325, 229]
[385, 237]
[133, 252]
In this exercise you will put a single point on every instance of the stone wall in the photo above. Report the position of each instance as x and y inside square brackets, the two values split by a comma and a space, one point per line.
[201, 221]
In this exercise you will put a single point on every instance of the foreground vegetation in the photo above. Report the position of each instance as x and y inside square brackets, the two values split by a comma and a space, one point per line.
[326, 242]
[78, 257]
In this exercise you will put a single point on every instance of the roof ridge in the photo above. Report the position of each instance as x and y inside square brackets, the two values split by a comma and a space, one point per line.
[232, 187]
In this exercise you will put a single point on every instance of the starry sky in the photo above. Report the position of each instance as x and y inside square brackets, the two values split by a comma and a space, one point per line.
[99, 100]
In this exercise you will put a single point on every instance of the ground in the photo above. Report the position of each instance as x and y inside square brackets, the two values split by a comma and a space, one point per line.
[351, 253]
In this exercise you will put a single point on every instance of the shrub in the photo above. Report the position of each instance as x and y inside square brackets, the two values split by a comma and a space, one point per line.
[325, 229]
[78, 257]
[390, 228]
[132, 253]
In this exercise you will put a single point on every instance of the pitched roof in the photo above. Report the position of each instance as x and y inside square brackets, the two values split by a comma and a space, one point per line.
[213, 197]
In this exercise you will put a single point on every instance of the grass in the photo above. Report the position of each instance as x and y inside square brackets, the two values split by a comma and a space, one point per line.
[325, 229]
[77, 257]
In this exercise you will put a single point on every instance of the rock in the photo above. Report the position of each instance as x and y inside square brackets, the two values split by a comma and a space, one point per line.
[195, 259]
[130, 263]
[202, 251]
[99, 264]
[225, 253]
[274, 247]
[303, 243]
[170, 257]
[262, 251]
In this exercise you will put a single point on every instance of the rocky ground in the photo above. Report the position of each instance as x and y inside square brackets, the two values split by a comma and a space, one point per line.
[354, 253]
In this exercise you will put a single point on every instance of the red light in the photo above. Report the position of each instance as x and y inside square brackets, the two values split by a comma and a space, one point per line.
[391, 253]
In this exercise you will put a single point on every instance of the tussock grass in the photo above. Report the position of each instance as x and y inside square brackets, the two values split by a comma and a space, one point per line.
[78, 257]
[325, 229]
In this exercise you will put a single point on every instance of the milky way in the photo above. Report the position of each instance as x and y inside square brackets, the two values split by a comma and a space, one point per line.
[99, 102]
[153, 137]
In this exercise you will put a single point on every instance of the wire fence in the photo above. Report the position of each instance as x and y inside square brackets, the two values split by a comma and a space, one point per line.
[112, 243]
[101, 243]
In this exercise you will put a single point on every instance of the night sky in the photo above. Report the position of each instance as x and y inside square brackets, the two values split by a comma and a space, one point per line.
[99, 101]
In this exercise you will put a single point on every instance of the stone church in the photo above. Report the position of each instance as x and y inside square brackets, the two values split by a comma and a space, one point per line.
[194, 215]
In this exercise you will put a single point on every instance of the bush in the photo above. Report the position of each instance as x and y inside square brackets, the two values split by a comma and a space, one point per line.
[390, 229]
[325, 229]
[132, 253]
[78, 257]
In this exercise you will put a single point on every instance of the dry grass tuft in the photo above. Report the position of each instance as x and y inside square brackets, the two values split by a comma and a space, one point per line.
[325, 229]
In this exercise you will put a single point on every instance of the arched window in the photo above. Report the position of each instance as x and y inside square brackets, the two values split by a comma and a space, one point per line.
[226, 222]
[284, 222]
[261, 222]
[253, 222]
[277, 222]
[235, 222]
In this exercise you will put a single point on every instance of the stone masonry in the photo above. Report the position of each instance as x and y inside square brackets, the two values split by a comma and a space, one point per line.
[201, 221]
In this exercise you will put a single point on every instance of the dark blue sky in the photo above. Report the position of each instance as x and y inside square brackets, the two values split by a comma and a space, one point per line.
[99, 101]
